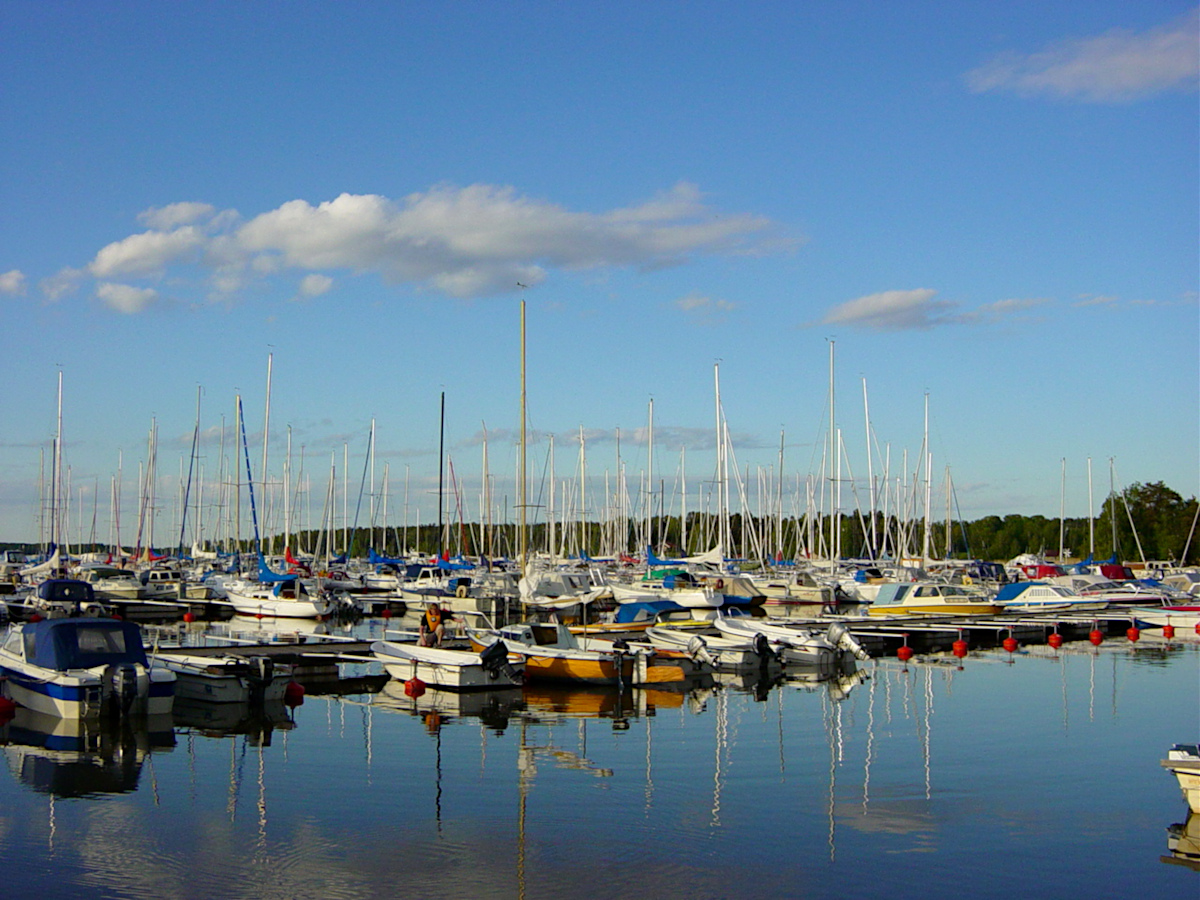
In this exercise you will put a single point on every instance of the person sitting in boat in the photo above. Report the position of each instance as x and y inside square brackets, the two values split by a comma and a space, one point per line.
[433, 625]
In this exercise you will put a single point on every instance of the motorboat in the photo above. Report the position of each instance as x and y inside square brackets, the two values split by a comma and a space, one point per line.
[1185, 617]
[491, 668]
[1038, 596]
[286, 599]
[227, 679]
[931, 598]
[553, 653]
[110, 582]
[59, 597]
[724, 653]
[797, 645]
[1183, 761]
[79, 667]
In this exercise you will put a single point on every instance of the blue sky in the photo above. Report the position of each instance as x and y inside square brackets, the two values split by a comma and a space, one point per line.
[992, 204]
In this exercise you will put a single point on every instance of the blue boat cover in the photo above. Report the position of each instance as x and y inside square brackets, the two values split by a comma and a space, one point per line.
[65, 590]
[62, 644]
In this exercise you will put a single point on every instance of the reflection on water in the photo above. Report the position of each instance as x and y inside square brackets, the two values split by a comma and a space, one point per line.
[81, 758]
[816, 784]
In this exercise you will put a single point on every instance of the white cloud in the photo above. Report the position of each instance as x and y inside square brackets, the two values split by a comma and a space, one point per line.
[1117, 66]
[148, 253]
[916, 310]
[892, 311]
[12, 282]
[461, 242]
[315, 285]
[61, 283]
[702, 308]
[1096, 300]
[125, 298]
[175, 214]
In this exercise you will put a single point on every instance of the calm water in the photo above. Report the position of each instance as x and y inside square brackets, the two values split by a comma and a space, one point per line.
[1035, 778]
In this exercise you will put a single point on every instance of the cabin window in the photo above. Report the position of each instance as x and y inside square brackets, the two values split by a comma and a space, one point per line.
[101, 640]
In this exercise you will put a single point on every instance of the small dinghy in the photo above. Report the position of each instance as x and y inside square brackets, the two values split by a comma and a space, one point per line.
[456, 670]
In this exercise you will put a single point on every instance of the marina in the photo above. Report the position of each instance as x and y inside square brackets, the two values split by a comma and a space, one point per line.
[805, 782]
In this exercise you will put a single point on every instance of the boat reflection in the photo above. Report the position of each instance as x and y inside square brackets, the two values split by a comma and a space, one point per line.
[70, 758]
[256, 721]
[1183, 843]
[434, 707]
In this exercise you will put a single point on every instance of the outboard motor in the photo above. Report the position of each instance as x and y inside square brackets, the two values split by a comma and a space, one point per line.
[123, 682]
[495, 660]
[697, 649]
[762, 646]
[839, 635]
[260, 676]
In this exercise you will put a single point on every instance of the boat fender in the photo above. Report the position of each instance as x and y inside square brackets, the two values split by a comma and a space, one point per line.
[460, 592]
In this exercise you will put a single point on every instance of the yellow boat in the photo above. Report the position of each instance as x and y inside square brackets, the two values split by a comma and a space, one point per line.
[931, 598]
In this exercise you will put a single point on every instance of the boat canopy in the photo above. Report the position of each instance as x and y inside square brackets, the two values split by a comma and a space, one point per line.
[66, 590]
[62, 644]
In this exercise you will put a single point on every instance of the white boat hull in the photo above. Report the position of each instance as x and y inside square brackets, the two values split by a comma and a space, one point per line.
[454, 670]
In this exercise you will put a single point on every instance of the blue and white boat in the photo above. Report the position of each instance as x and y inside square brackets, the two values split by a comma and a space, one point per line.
[77, 668]
[1038, 596]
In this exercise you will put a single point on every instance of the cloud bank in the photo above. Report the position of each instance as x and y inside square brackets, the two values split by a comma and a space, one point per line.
[1118, 66]
[461, 242]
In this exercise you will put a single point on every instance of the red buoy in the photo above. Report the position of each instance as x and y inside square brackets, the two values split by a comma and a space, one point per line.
[1010, 644]
[1133, 634]
[1055, 640]
[387, 613]
[1168, 631]
[904, 653]
[959, 648]
[117, 616]
[293, 694]
[7, 709]
[414, 688]
[1096, 637]
[189, 617]
[35, 618]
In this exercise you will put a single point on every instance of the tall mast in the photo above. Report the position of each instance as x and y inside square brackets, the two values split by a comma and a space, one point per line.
[1091, 517]
[441, 474]
[650, 477]
[266, 432]
[871, 468]
[524, 537]
[1062, 512]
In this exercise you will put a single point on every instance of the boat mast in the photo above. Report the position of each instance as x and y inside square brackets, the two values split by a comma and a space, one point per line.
[266, 432]
[832, 462]
[1062, 512]
[1091, 516]
[870, 467]
[524, 536]
[441, 474]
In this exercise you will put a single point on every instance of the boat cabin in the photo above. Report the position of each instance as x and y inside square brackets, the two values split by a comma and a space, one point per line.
[64, 644]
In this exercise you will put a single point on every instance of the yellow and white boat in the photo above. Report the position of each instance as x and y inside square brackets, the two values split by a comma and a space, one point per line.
[931, 598]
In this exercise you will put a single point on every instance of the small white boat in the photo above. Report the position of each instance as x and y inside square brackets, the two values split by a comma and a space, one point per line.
[1182, 618]
[724, 653]
[1037, 596]
[77, 667]
[287, 599]
[796, 645]
[456, 670]
[227, 679]
[1183, 761]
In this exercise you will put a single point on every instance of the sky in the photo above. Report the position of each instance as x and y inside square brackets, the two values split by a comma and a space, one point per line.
[992, 208]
